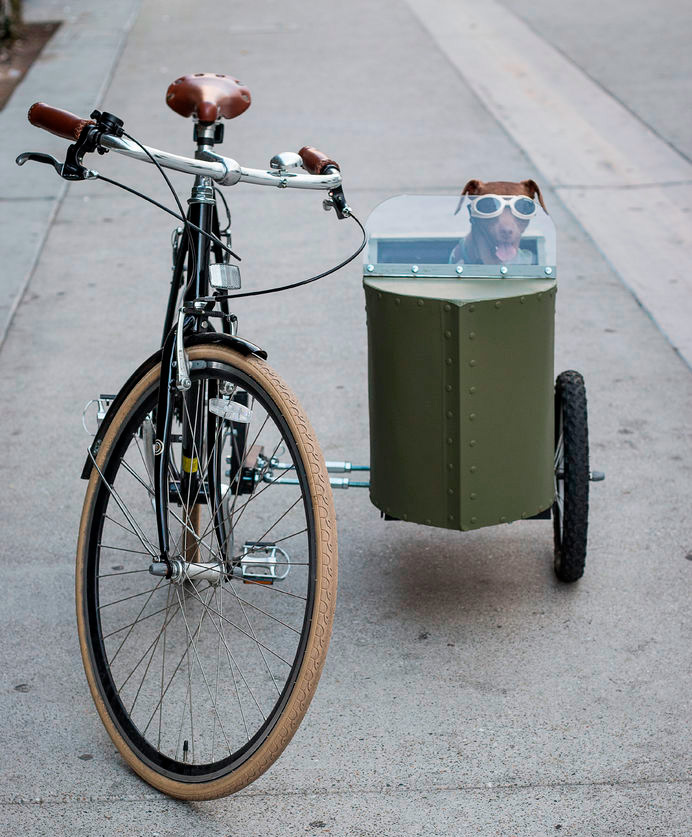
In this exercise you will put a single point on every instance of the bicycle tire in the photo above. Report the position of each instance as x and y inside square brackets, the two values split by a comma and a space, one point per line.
[295, 628]
[571, 507]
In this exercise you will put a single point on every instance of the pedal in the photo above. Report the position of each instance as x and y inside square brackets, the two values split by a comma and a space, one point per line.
[103, 402]
[263, 563]
[224, 277]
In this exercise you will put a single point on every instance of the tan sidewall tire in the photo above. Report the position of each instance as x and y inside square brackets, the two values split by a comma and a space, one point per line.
[325, 588]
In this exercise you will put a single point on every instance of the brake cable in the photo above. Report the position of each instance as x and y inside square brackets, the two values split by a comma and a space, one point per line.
[189, 225]
[305, 281]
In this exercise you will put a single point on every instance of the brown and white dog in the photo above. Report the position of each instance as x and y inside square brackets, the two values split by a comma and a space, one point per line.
[494, 240]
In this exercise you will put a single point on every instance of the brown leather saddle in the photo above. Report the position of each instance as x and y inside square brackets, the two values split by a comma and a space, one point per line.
[208, 96]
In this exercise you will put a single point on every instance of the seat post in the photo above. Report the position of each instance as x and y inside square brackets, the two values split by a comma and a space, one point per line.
[207, 134]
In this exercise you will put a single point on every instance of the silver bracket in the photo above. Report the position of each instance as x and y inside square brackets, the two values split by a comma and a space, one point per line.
[175, 243]
[182, 371]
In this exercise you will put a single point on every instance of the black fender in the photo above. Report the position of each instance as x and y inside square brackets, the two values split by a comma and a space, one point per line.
[243, 347]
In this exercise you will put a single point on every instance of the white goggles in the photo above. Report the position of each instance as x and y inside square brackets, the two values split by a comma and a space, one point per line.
[490, 206]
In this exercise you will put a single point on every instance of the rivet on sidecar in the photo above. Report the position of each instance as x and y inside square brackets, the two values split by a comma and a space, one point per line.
[548, 271]
[414, 268]
[503, 270]
[370, 268]
[460, 269]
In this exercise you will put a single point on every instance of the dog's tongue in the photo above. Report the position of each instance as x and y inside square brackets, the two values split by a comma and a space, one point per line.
[506, 252]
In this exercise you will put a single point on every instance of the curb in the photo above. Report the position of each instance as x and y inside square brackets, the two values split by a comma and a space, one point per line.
[73, 71]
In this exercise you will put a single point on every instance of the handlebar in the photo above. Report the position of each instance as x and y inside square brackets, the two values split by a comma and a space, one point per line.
[315, 161]
[323, 173]
[56, 121]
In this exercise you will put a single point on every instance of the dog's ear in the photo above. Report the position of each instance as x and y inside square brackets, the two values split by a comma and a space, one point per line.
[534, 190]
[473, 187]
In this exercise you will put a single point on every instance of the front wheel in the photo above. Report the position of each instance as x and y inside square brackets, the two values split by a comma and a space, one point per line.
[201, 679]
[571, 506]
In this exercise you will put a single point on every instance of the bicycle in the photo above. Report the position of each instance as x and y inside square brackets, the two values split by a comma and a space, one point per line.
[207, 557]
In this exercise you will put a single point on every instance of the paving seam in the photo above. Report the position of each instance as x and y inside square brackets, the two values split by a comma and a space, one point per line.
[598, 83]
[369, 791]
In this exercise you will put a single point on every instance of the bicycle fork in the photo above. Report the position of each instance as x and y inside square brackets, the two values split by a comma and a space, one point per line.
[197, 480]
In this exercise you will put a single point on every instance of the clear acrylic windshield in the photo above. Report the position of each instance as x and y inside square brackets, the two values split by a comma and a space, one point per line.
[488, 236]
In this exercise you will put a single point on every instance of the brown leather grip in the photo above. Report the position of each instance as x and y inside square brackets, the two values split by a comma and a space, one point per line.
[315, 161]
[60, 122]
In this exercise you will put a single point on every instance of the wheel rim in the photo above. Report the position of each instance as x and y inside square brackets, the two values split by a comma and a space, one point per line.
[195, 674]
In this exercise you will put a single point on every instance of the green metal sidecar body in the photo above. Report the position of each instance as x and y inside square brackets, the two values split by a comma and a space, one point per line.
[461, 391]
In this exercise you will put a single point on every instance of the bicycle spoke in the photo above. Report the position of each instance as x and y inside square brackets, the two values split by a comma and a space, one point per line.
[264, 612]
[123, 549]
[240, 630]
[204, 677]
[232, 661]
[122, 507]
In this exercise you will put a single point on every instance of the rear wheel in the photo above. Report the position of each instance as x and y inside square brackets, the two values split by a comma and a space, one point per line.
[202, 679]
[571, 507]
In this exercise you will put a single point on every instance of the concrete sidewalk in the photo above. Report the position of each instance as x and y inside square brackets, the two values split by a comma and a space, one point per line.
[75, 67]
[466, 692]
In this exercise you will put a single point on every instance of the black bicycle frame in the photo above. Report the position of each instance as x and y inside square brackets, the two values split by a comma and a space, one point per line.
[194, 249]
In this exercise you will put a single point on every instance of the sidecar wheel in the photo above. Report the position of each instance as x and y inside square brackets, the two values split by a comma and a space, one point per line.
[571, 507]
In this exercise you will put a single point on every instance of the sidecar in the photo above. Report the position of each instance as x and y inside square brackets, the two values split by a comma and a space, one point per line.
[464, 431]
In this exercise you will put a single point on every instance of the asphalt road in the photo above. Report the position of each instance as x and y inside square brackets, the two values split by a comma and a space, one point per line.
[466, 691]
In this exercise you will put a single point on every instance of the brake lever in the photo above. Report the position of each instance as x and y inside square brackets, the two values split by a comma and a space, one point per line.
[38, 157]
[337, 202]
[336, 199]
[71, 169]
